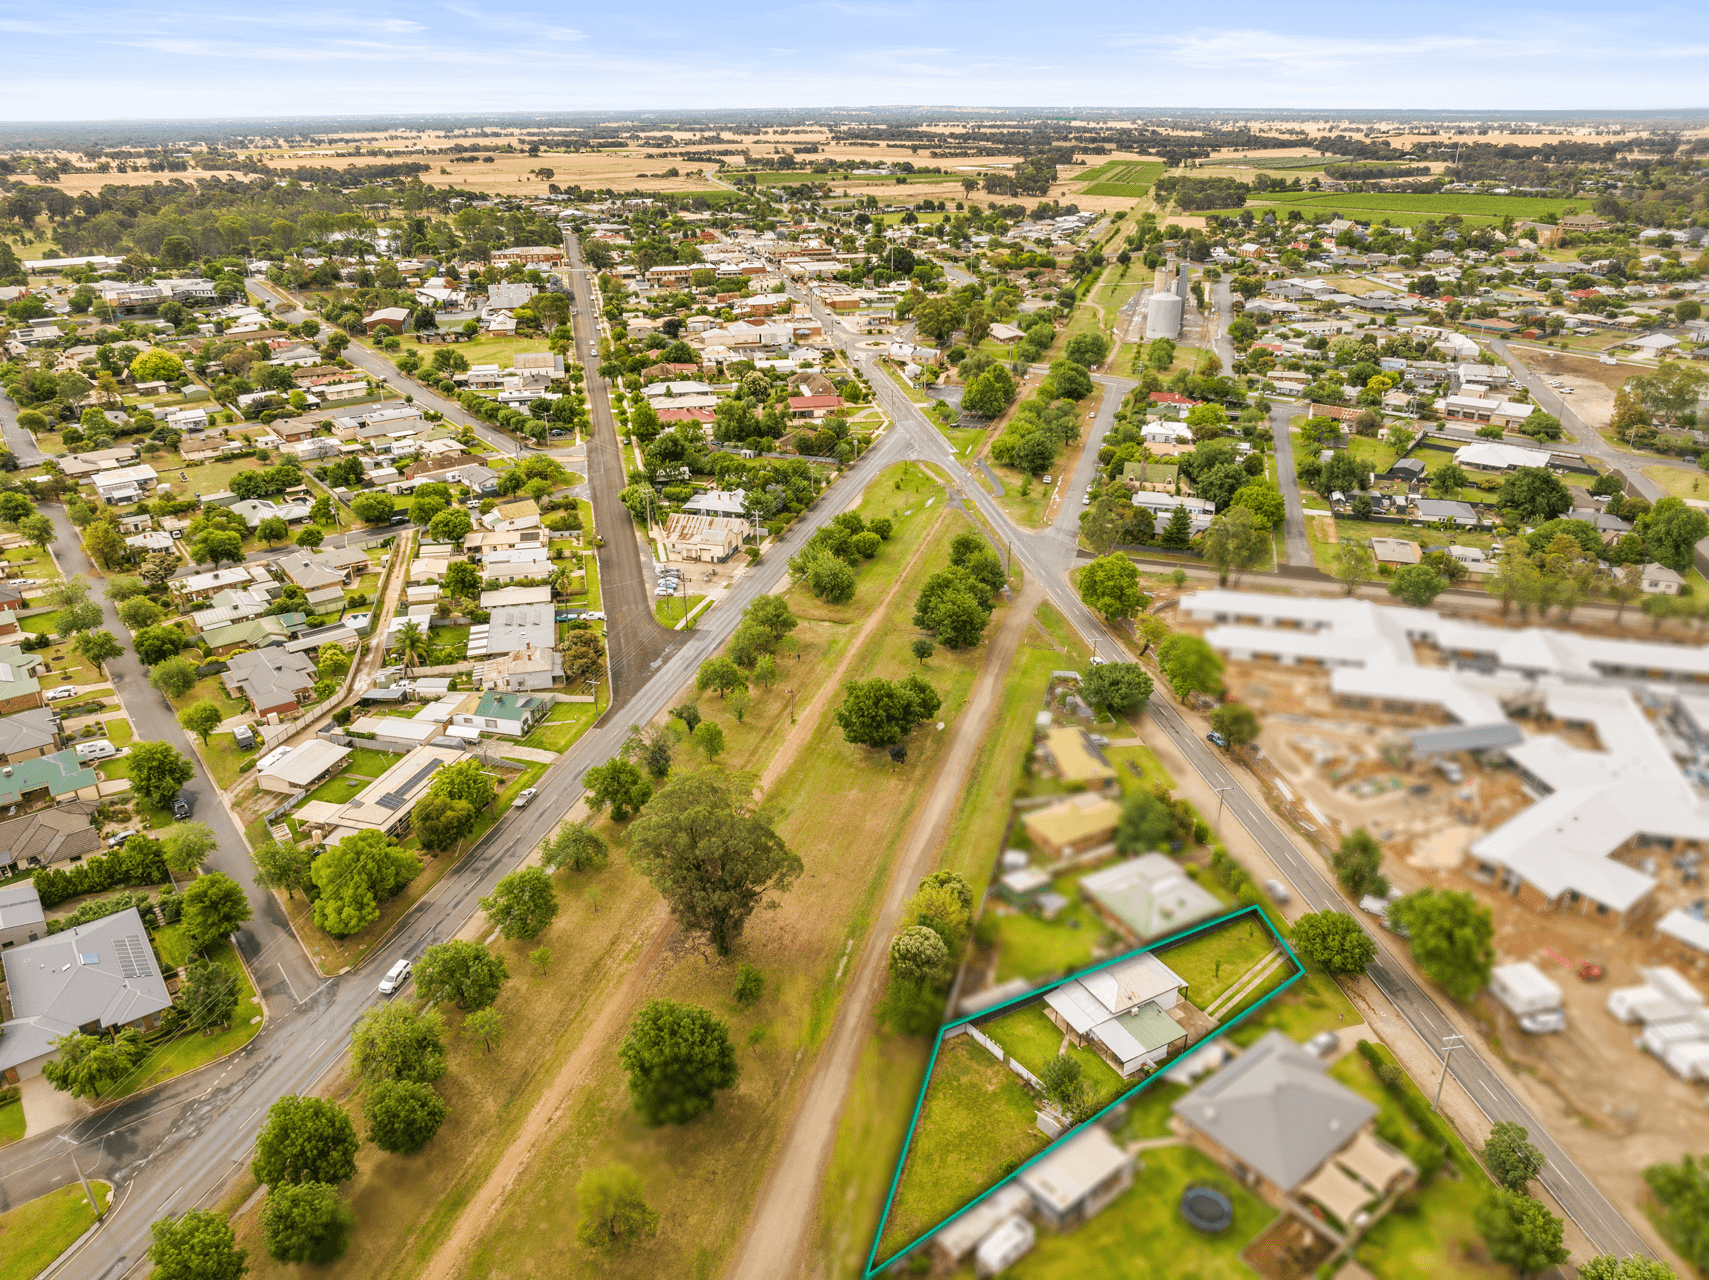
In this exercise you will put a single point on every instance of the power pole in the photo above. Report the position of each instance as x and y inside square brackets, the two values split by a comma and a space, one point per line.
[1460, 1043]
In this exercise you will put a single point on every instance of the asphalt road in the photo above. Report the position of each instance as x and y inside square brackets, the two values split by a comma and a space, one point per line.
[1293, 519]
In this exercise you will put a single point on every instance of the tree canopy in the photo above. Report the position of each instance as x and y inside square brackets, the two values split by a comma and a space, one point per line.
[880, 712]
[459, 970]
[305, 1140]
[1451, 936]
[677, 1057]
[1334, 940]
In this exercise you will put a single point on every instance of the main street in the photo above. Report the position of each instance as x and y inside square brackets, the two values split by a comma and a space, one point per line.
[1048, 555]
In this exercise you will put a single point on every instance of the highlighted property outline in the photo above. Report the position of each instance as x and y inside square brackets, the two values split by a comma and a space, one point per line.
[873, 1267]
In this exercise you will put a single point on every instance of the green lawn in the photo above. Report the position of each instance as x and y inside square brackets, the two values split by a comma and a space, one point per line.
[1029, 947]
[339, 788]
[976, 1125]
[567, 722]
[192, 1049]
[209, 689]
[1149, 1111]
[11, 1121]
[119, 731]
[1215, 960]
[1314, 1003]
[1143, 1234]
[1436, 1239]
[1031, 1039]
[223, 758]
[1151, 771]
[670, 610]
[38, 1232]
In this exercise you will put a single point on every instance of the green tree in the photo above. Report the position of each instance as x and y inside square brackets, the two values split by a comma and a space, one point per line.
[1145, 824]
[1262, 499]
[710, 853]
[84, 1063]
[880, 712]
[709, 737]
[1116, 687]
[217, 547]
[1519, 1231]
[465, 972]
[1607, 1267]
[1236, 722]
[281, 866]
[1190, 665]
[1358, 864]
[1110, 585]
[1448, 479]
[156, 644]
[1354, 564]
[197, 1245]
[201, 719]
[440, 822]
[612, 1210]
[1237, 542]
[210, 995]
[38, 531]
[372, 507]
[1334, 941]
[1672, 531]
[305, 1140]
[1418, 585]
[619, 784]
[773, 613]
[186, 845]
[921, 648]
[575, 846]
[157, 772]
[306, 1222]
[1535, 493]
[750, 986]
[355, 876]
[175, 677]
[138, 612]
[309, 537]
[677, 1057]
[1104, 522]
[1451, 938]
[398, 1042]
[214, 906]
[486, 1025]
[402, 1115]
[720, 674]
[1682, 1190]
[157, 365]
[919, 954]
[273, 530]
[522, 904]
[98, 647]
[1512, 1158]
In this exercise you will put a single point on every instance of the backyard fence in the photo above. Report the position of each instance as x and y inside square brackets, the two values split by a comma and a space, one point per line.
[996, 1051]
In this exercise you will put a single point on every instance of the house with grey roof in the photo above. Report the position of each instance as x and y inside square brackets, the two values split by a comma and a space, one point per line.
[1289, 1131]
[64, 833]
[1122, 1013]
[334, 567]
[29, 733]
[21, 915]
[274, 680]
[95, 977]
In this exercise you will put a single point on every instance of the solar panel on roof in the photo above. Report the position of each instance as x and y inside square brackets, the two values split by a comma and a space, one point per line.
[399, 796]
[133, 956]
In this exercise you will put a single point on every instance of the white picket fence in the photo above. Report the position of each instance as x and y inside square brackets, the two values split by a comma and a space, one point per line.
[996, 1051]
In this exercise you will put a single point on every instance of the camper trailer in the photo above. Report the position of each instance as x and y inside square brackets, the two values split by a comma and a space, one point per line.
[1532, 999]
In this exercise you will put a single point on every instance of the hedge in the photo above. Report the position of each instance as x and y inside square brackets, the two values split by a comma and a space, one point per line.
[95, 875]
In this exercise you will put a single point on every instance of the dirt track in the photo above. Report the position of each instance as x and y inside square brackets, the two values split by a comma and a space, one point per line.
[777, 1237]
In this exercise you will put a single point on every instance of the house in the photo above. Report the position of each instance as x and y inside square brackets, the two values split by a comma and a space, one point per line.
[19, 688]
[1122, 1013]
[255, 510]
[1281, 1124]
[485, 542]
[59, 773]
[1501, 413]
[274, 681]
[124, 484]
[711, 538]
[510, 715]
[1659, 580]
[1077, 759]
[29, 733]
[386, 803]
[530, 255]
[21, 916]
[60, 834]
[1395, 551]
[334, 566]
[302, 768]
[503, 597]
[530, 667]
[1079, 1177]
[391, 319]
[96, 977]
[522, 513]
[1147, 897]
[250, 633]
[510, 629]
[717, 502]
[1435, 509]
[1073, 825]
[199, 586]
[1162, 507]
[814, 406]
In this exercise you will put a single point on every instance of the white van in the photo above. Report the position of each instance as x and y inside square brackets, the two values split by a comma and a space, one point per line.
[99, 749]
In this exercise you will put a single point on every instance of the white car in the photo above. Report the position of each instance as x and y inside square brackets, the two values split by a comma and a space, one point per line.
[114, 842]
[593, 615]
[395, 978]
[524, 798]
[60, 694]
[1044, 479]
[1566, 391]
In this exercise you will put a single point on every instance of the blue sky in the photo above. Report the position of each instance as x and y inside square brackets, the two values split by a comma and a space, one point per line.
[103, 60]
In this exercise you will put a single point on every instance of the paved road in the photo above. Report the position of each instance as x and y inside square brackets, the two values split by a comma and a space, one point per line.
[19, 441]
[1043, 556]
[1293, 521]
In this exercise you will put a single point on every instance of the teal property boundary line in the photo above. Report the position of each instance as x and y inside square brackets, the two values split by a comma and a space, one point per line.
[873, 1267]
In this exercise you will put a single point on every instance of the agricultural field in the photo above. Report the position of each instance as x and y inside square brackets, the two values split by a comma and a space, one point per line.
[1397, 205]
[1130, 179]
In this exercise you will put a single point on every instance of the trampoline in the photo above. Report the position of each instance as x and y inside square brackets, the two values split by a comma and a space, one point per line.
[1206, 1209]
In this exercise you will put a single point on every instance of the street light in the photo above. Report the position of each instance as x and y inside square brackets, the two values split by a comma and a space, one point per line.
[1447, 1057]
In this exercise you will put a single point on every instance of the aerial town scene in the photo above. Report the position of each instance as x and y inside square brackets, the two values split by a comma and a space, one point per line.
[657, 669]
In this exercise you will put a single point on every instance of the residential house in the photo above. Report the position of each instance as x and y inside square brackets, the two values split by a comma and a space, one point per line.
[1073, 825]
[391, 319]
[1398, 551]
[529, 667]
[274, 681]
[1501, 413]
[63, 833]
[386, 803]
[814, 406]
[43, 777]
[709, 538]
[512, 628]
[519, 513]
[255, 510]
[19, 688]
[302, 768]
[29, 733]
[503, 597]
[1077, 760]
[1659, 580]
[1281, 1124]
[1122, 1012]
[124, 484]
[530, 255]
[21, 915]
[333, 566]
[96, 977]
[510, 715]
[251, 633]
[485, 542]
[1147, 897]
[717, 502]
[199, 586]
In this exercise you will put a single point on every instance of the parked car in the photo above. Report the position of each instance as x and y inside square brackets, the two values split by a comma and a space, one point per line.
[594, 615]
[524, 798]
[1323, 1044]
[177, 533]
[399, 517]
[1217, 738]
[183, 805]
[114, 842]
[1044, 479]
[395, 978]
[1278, 892]
[60, 694]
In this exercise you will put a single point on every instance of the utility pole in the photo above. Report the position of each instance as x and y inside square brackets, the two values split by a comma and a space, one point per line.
[87, 1189]
[1447, 1057]
[1220, 791]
